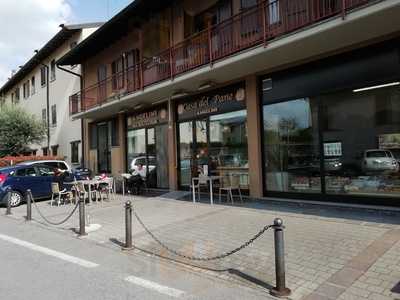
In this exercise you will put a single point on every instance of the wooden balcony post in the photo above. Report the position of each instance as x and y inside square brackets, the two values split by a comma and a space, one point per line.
[343, 9]
[141, 59]
[210, 43]
[264, 16]
[171, 43]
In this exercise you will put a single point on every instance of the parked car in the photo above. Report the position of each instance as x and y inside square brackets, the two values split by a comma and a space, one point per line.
[21, 177]
[376, 160]
[55, 164]
[141, 160]
[79, 173]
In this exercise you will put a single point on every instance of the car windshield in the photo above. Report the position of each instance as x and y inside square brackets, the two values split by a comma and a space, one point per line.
[378, 154]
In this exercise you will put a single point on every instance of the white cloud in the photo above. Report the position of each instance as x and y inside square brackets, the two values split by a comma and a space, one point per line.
[26, 25]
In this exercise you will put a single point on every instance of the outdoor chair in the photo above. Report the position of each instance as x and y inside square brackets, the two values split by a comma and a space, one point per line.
[197, 184]
[56, 193]
[229, 183]
[106, 188]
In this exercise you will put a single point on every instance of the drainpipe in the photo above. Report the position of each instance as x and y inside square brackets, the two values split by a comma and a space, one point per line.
[82, 123]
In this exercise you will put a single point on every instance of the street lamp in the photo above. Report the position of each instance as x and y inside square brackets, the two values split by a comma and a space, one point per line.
[47, 101]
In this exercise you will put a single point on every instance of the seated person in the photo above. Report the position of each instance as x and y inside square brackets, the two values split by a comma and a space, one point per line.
[135, 182]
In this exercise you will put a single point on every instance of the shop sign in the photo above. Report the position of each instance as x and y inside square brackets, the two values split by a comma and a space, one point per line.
[219, 101]
[148, 118]
[333, 149]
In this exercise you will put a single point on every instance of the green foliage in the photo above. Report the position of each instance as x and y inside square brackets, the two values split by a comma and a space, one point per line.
[19, 130]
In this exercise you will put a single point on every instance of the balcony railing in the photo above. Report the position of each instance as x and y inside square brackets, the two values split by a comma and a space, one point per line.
[252, 27]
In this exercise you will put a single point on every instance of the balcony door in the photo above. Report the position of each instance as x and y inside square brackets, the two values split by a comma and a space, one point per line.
[102, 82]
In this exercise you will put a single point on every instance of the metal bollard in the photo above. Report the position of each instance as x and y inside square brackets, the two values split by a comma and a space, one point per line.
[82, 225]
[128, 226]
[28, 205]
[8, 195]
[280, 290]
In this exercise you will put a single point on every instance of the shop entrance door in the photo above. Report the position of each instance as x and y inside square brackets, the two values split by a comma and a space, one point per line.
[147, 147]
[193, 150]
[103, 149]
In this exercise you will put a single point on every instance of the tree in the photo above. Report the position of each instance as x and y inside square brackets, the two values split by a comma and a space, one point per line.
[19, 130]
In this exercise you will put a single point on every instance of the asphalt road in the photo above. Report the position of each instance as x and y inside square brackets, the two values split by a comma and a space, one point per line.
[41, 263]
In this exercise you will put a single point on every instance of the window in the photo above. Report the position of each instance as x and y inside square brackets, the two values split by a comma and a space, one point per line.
[117, 68]
[291, 146]
[75, 152]
[44, 116]
[93, 136]
[26, 92]
[53, 70]
[54, 150]
[45, 151]
[73, 44]
[247, 3]
[16, 100]
[26, 172]
[33, 85]
[43, 76]
[12, 97]
[45, 171]
[364, 133]
[54, 115]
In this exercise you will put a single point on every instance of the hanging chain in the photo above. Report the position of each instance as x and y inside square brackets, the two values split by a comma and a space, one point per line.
[51, 222]
[203, 258]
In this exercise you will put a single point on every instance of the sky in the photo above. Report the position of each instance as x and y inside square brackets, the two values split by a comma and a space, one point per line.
[26, 25]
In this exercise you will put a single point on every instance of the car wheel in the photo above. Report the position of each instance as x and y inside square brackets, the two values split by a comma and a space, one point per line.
[15, 199]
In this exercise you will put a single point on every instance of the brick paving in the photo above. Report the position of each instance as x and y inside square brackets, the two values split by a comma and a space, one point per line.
[331, 253]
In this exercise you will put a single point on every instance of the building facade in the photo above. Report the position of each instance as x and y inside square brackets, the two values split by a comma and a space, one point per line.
[295, 99]
[42, 88]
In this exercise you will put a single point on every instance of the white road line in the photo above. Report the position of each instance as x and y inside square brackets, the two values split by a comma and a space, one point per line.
[50, 252]
[155, 286]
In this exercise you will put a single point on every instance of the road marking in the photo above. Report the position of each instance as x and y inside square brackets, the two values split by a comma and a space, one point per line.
[50, 252]
[155, 286]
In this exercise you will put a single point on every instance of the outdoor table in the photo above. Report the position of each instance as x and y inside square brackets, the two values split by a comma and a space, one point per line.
[89, 183]
[207, 178]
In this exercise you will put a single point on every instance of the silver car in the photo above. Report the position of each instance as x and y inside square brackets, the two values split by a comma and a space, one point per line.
[377, 160]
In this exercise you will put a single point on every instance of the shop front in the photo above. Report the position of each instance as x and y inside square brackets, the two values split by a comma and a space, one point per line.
[331, 129]
[212, 135]
[147, 140]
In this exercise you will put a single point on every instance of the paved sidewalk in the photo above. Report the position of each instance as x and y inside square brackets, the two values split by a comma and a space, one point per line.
[331, 253]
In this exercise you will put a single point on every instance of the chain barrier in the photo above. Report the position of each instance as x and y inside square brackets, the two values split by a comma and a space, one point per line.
[202, 258]
[51, 222]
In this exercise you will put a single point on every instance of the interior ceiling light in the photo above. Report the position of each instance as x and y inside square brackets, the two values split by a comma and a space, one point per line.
[376, 87]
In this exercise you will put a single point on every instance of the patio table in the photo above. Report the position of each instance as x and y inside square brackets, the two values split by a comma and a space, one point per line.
[89, 183]
[206, 178]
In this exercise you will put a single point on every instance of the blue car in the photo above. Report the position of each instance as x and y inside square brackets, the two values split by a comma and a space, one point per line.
[21, 177]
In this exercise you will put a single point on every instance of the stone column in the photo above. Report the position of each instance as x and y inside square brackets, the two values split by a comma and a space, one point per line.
[254, 131]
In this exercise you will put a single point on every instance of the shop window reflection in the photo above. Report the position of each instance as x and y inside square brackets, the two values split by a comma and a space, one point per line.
[291, 145]
[228, 146]
[367, 130]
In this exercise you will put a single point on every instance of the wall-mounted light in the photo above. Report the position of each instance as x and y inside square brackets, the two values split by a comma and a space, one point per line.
[160, 101]
[374, 87]
[138, 106]
[179, 94]
[206, 85]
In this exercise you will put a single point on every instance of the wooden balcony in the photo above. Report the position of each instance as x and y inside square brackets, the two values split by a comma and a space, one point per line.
[253, 27]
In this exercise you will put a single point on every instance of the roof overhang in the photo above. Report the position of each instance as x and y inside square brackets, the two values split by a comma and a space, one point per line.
[130, 17]
[66, 32]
